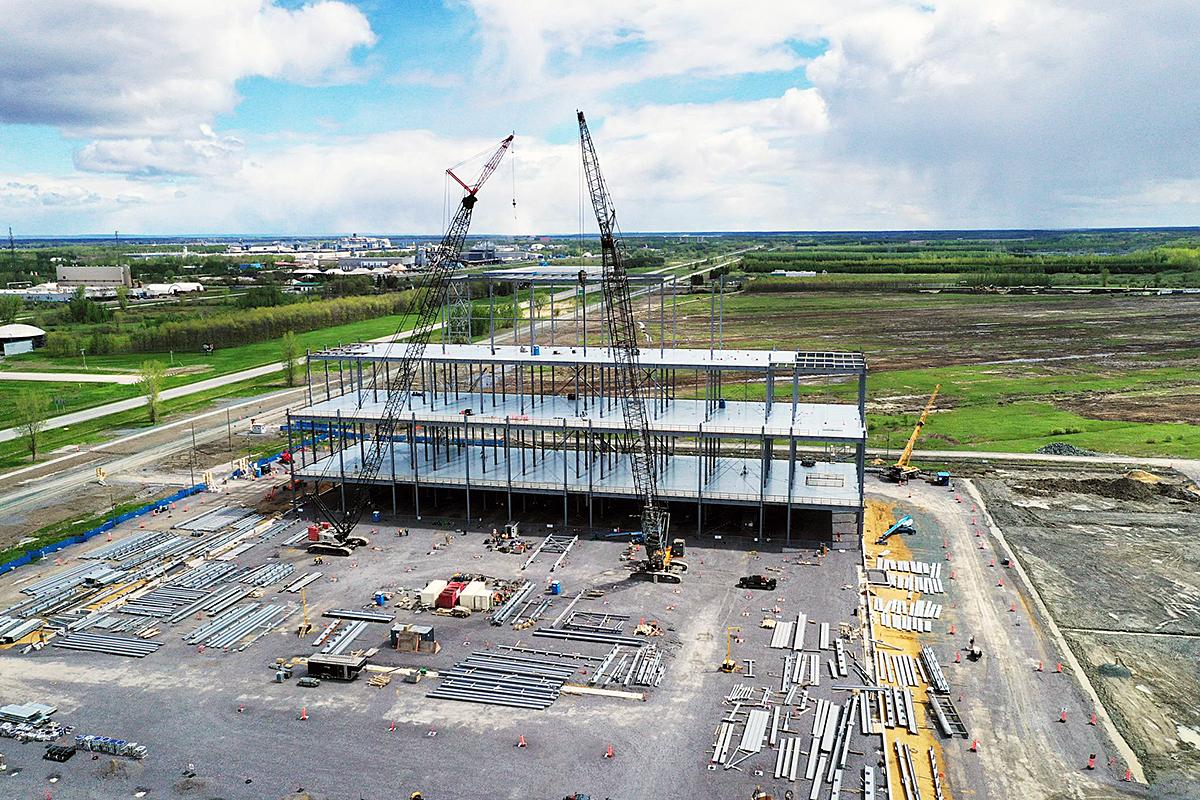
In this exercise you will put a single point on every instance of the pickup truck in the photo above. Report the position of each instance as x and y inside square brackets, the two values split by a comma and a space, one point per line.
[757, 582]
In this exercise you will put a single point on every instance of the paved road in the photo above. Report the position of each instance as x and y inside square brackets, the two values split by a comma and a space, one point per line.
[117, 407]
[69, 377]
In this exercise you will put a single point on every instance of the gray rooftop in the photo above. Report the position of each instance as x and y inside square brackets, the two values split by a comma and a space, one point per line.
[779, 361]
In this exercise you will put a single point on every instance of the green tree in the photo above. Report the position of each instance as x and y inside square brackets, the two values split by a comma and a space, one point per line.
[123, 297]
[150, 382]
[289, 353]
[10, 306]
[32, 407]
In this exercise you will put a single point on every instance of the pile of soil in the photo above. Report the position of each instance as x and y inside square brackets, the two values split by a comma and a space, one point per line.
[1135, 488]
[1064, 449]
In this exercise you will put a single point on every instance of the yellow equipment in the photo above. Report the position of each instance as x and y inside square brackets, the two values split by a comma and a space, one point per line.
[305, 627]
[729, 665]
[902, 470]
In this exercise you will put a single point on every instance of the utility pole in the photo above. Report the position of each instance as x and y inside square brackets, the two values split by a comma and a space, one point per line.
[229, 433]
[192, 463]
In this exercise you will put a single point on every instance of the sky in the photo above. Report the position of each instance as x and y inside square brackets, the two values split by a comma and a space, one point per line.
[279, 117]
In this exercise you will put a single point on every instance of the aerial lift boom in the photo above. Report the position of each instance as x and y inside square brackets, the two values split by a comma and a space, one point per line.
[903, 469]
[338, 538]
[631, 380]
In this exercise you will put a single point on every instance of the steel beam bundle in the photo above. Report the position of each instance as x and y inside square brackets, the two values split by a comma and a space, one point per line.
[787, 761]
[937, 679]
[302, 582]
[221, 622]
[204, 575]
[123, 548]
[363, 616]
[19, 629]
[908, 773]
[782, 636]
[504, 680]
[215, 519]
[265, 574]
[107, 643]
[260, 621]
[506, 610]
[60, 582]
[162, 602]
[588, 636]
[338, 645]
[212, 603]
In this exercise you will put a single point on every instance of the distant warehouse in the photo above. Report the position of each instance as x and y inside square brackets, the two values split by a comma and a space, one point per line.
[100, 277]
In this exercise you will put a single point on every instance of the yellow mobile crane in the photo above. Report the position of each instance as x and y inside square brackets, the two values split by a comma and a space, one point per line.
[902, 470]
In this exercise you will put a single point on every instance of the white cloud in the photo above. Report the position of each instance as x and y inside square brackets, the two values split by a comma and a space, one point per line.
[208, 154]
[949, 113]
[136, 74]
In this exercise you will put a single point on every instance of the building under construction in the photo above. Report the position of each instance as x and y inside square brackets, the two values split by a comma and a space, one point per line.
[514, 411]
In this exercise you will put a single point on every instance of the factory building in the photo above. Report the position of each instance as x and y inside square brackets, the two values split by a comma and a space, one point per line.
[98, 277]
[526, 419]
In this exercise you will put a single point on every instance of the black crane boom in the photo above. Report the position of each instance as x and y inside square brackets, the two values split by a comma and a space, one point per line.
[441, 262]
[631, 382]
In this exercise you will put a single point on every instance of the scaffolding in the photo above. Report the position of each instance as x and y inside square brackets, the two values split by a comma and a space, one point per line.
[527, 409]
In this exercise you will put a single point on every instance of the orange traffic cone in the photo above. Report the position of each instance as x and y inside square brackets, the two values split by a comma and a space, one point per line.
[392, 727]
[1039, 668]
[951, 629]
[1012, 608]
[609, 752]
[1092, 761]
[521, 742]
[303, 712]
[1062, 717]
[1000, 582]
[953, 574]
[1092, 721]
[1128, 775]
[974, 745]
[957, 657]
[1058, 667]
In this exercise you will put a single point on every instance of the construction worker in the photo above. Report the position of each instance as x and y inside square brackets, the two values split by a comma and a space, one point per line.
[416, 796]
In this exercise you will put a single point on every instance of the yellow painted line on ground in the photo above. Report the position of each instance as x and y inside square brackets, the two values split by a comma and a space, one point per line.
[880, 517]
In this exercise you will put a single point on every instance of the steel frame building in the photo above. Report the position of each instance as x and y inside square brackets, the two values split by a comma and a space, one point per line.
[498, 424]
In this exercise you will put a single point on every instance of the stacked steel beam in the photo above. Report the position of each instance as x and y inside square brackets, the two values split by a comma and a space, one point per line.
[504, 679]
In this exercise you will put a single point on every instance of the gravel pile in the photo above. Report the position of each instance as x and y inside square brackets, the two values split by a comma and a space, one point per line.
[1064, 449]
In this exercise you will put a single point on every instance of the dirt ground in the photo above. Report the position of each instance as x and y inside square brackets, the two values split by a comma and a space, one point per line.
[1117, 562]
[1054, 335]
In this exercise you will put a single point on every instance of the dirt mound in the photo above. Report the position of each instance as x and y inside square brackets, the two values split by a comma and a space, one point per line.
[1064, 449]
[1138, 489]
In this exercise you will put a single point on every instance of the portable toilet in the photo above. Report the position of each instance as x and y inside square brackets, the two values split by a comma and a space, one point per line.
[555, 587]
[376, 516]
[380, 599]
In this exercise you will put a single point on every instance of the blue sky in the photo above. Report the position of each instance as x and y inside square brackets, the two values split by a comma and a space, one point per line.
[264, 116]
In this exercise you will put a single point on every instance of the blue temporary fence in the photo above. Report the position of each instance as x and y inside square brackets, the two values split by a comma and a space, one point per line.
[107, 525]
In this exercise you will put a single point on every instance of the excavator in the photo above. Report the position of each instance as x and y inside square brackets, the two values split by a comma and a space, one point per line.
[335, 536]
[661, 563]
[903, 469]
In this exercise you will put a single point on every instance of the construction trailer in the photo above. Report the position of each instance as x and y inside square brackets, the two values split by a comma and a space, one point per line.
[516, 411]
[336, 667]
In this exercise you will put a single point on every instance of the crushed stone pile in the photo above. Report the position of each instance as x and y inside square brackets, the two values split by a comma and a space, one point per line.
[1064, 449]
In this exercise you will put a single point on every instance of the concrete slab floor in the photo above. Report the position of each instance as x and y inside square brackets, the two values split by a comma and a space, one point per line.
[184, 705]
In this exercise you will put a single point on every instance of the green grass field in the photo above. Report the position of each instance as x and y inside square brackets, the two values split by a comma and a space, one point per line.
[1111, 374]
[15, 453]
